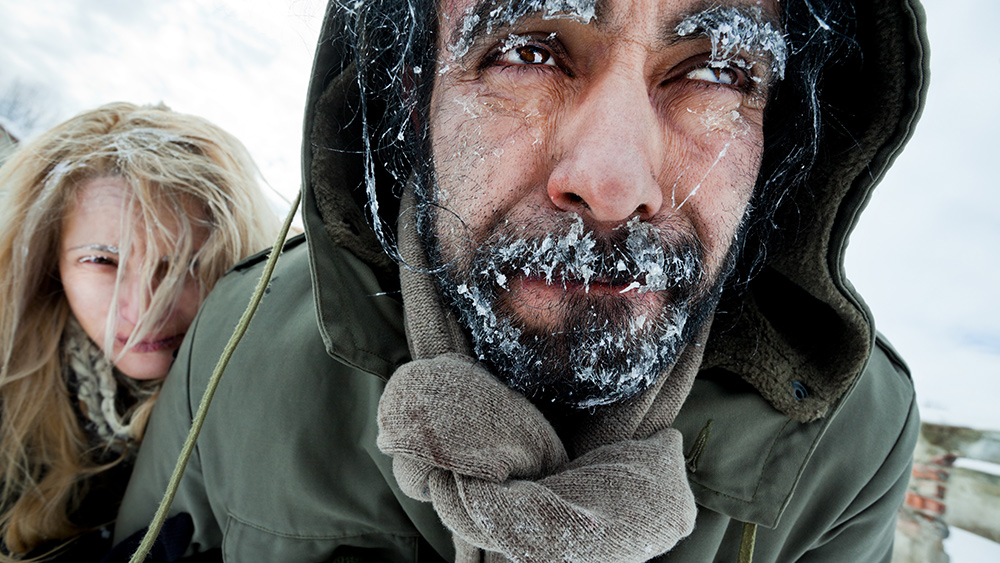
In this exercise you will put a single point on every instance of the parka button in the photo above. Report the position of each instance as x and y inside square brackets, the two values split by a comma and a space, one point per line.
[799, 390]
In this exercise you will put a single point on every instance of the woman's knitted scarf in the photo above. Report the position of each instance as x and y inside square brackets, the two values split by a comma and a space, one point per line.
[494, 468]
[103, 394]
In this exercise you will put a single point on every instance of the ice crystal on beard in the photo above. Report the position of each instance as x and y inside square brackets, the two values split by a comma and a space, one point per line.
[607, 360]
[572, 257]
[661, 271]
[558, 258]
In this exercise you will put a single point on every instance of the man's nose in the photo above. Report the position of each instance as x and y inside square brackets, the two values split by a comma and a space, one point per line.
[609, 147]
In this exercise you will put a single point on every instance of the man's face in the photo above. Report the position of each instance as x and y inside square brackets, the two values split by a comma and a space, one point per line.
[593, 162]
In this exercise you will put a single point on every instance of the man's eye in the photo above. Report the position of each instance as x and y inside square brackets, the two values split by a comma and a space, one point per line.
[99, 260]
[725, 75]
[527, 55]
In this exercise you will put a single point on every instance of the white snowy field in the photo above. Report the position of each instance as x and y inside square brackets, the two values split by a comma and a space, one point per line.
[924, 255]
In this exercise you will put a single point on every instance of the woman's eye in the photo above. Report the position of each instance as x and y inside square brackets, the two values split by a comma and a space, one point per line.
[724, 75]
[161, 269]
[527, 55]
[99, 260]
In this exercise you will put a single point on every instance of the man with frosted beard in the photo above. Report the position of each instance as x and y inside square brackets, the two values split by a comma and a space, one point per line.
[571, 289]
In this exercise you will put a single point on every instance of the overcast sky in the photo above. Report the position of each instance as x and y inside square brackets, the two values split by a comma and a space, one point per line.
[924, 255]
[244, 64]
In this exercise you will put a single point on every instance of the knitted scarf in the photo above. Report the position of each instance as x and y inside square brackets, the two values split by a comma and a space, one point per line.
[102, 393]
[494, 468]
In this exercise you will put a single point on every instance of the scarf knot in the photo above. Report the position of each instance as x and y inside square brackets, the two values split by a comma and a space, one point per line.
[495, 470]
[499, 477]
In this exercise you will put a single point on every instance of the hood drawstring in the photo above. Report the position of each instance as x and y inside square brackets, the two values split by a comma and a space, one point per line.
[747, 542]
[694, 454]
[749, 537]
[199, 418]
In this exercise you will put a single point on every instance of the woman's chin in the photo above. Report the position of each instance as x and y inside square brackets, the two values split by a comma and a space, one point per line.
[146, 366]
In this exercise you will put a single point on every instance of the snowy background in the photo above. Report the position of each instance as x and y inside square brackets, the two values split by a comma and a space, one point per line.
[924, 255]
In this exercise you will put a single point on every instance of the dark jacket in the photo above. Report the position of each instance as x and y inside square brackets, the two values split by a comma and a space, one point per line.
[799, 429]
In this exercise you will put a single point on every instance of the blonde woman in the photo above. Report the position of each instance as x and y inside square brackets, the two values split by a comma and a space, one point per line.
[113, 227]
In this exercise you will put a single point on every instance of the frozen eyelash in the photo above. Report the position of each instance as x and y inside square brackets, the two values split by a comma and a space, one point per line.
[733, 31]
[582, 11]
[95, 259]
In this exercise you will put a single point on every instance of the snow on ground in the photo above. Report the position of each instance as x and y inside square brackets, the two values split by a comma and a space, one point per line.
[966, 547]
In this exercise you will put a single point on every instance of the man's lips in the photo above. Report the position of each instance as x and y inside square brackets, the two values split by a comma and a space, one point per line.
[155, 344]
[594, 286]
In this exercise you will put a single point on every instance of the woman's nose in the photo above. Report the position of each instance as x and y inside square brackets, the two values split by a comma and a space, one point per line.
[134, 293]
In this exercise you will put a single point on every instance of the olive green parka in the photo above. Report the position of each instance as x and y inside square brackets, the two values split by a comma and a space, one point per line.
[799, 430]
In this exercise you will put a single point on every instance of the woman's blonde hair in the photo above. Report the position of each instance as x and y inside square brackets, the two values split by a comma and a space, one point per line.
[170, 162]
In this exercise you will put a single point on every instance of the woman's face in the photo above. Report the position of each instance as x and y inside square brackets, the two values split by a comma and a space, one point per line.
[88, 267]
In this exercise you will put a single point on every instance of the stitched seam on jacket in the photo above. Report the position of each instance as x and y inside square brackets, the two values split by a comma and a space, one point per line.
[262, 528]
[774, 442]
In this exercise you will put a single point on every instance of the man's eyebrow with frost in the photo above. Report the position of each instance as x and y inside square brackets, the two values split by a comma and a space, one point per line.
[489, 18]
[735, 30]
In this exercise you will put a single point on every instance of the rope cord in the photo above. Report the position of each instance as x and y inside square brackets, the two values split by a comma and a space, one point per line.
[206, 399]
[747, 542]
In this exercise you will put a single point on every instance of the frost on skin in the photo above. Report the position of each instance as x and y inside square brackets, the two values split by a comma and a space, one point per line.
[475, 24]
[515, 41]
[694, 190]
[573, 258]
[604, 351]
[580, 11]
[719, 119]
[732, 31]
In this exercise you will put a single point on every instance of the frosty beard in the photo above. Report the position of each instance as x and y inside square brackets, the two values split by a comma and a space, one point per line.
[604, 345]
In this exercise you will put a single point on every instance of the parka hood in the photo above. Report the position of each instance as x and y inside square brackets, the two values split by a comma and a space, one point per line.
[797, 331]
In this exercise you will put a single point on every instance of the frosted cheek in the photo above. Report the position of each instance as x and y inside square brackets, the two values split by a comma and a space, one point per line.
[475, 140]
[723, 118]
[486, 129]
[724, 147]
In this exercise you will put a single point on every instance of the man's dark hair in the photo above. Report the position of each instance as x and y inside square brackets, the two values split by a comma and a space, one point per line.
[394, 52]
[818, 32]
